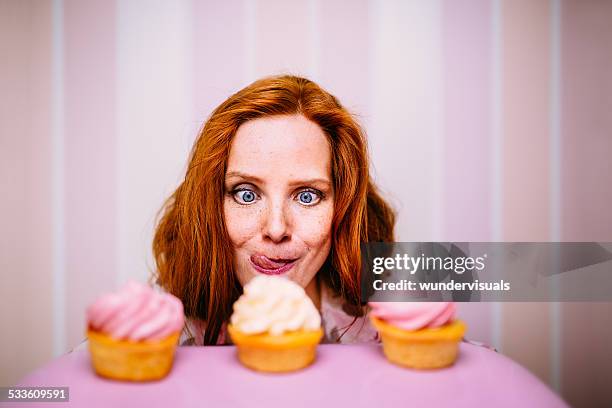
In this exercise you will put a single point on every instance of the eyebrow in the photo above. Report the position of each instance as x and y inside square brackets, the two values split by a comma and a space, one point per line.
[293, 182]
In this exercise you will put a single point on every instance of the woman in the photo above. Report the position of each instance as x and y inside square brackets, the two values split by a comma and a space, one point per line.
[277, 183]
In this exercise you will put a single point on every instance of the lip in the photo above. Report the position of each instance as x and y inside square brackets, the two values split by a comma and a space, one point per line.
[277, 271]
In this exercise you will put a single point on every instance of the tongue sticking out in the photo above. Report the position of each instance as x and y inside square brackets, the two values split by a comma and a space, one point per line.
[267, 263]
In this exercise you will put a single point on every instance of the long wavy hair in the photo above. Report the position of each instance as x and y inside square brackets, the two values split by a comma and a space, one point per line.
[192, 249]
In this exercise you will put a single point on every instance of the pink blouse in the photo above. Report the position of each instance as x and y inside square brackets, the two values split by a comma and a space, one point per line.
[336, 323]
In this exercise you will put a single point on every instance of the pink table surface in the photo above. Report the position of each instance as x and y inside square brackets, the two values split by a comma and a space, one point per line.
[343, 375]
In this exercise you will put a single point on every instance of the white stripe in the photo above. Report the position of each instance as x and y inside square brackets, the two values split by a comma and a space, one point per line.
[154, 111]
[119, 199]
[406, 60]
[57, 171]
[496, 152]
[439, 130]
[555, 183]
[250, 40]
[314, 40]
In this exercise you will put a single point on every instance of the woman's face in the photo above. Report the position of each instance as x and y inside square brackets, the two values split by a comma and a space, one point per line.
[279, 198]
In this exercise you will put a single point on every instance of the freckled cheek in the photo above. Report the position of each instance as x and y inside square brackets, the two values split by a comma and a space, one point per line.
[315, 227]
[242, 223]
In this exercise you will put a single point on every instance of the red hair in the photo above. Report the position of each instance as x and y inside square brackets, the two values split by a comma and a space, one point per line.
[192, 249]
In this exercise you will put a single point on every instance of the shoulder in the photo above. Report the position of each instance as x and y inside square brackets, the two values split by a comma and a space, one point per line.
[194, 328]
[339, 326]
[193, 333]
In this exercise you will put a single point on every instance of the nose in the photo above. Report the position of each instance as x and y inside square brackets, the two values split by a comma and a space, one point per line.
[276, 226]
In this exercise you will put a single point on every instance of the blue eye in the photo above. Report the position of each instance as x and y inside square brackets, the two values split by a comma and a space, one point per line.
[308, 197]
[245, 196]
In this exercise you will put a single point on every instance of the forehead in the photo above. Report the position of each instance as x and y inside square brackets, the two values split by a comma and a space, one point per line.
[281, 146]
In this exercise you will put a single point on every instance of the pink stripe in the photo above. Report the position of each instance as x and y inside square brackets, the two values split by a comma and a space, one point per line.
[467, 56]
[586, 86]
[526, 76]
[344, 53]
[90, 156]
[526, 336]
[526, 132]
[26, 154]
[467, 62]
[219, 59]
[281, 39]
[587, 121]
[586, 355]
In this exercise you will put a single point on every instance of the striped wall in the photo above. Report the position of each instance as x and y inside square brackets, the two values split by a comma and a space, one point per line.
[26, 186]
[525, 103]
[586, 190]
[487, 120]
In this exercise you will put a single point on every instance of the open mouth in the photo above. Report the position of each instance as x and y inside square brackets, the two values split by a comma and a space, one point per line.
[270, 266]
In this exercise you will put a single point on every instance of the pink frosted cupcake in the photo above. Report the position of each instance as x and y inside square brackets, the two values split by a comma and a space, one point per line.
[418, 334]
[133, 333]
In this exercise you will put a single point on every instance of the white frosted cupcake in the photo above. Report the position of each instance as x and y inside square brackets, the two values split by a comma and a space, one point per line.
[275, 325]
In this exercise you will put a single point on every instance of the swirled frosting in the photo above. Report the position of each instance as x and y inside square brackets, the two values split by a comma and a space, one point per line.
[136, 312]
[414, 315]
[274, 305]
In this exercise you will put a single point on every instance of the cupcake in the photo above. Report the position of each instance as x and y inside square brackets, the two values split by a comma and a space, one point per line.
[133, 333]
[419, 335]
[275, 325]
